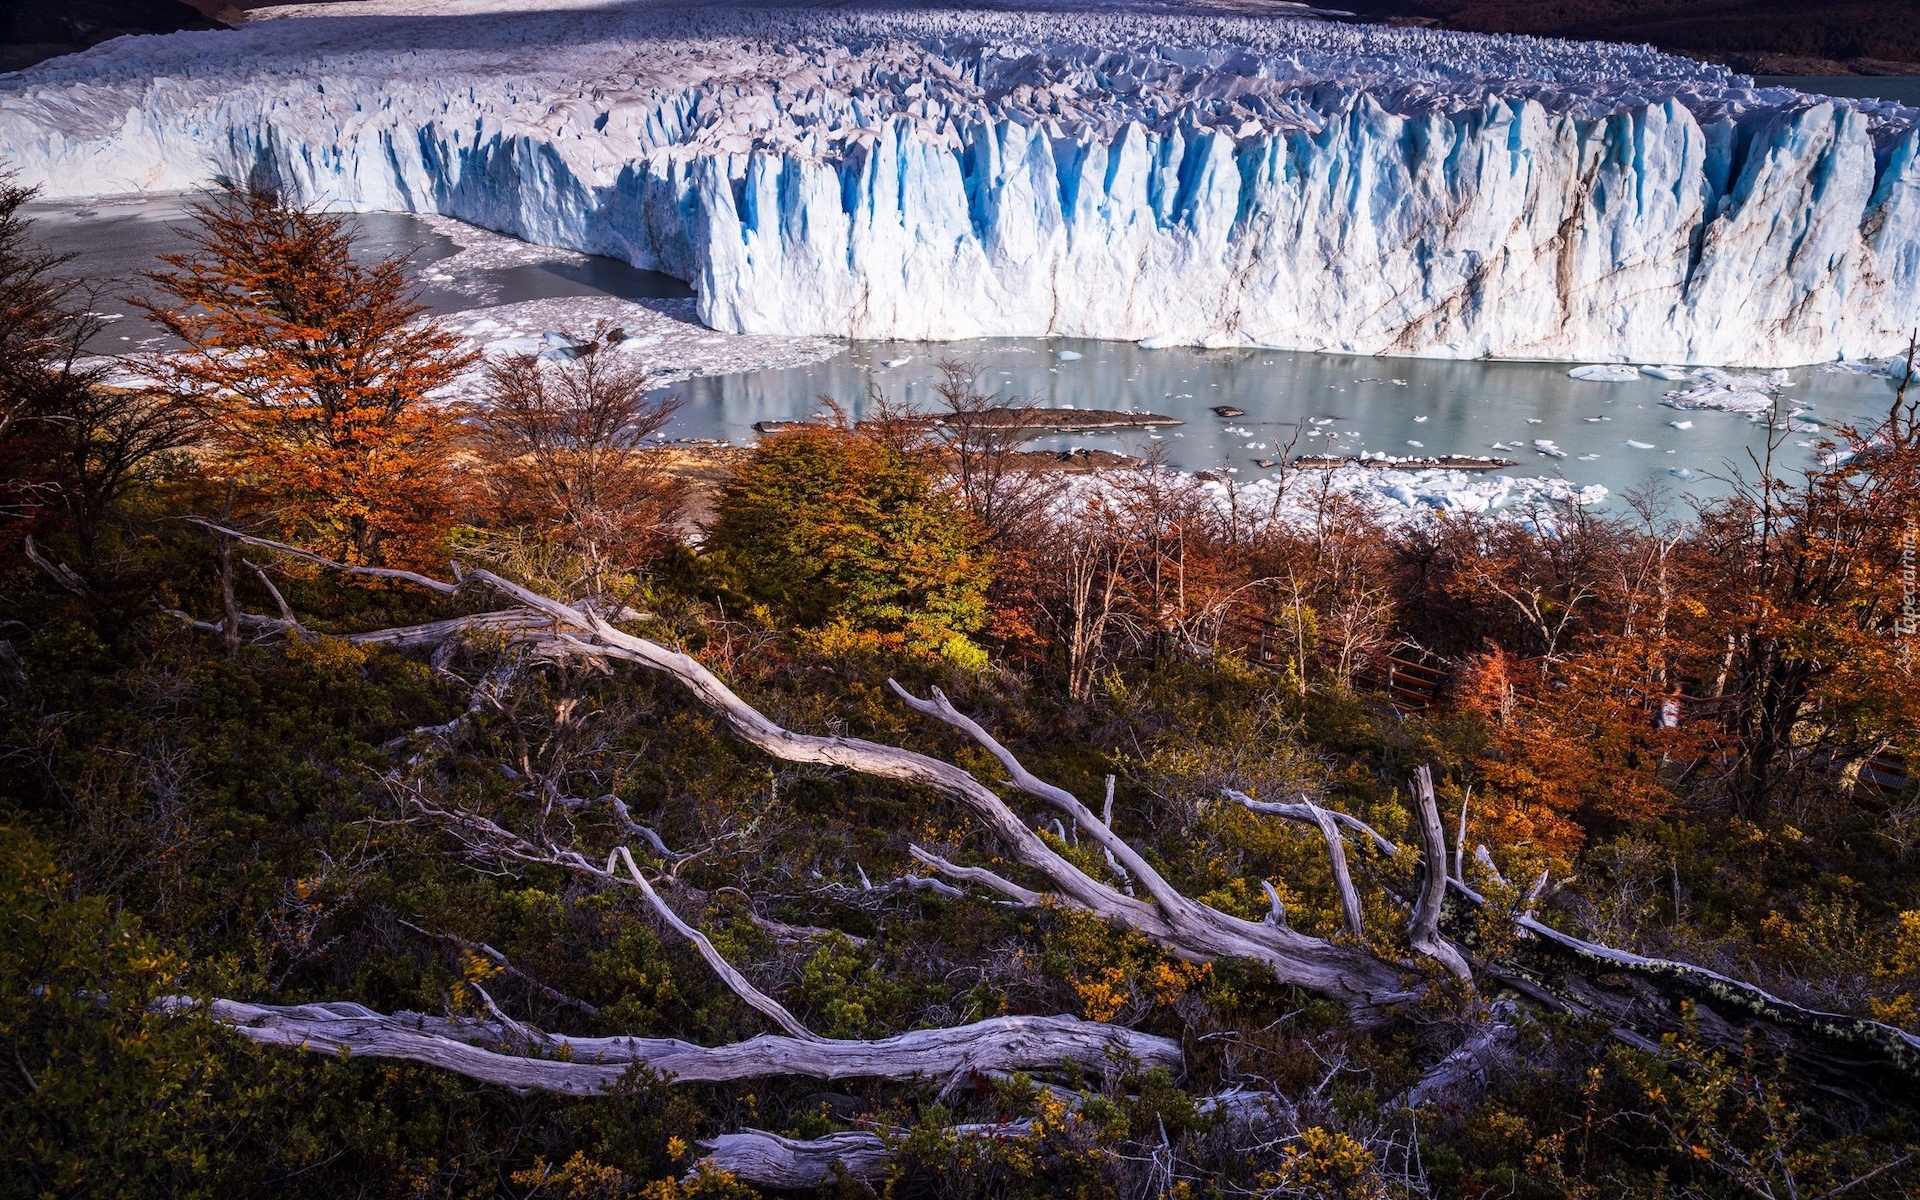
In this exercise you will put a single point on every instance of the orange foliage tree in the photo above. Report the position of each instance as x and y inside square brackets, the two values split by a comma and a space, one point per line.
[563, 445]
[314, 371]
[1819, 663]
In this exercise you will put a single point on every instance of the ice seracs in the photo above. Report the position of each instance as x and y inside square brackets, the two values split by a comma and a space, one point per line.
[1170, 178]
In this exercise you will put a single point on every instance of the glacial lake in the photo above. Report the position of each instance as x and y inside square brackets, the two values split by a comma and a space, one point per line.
[1619, 435]
[1320, 403]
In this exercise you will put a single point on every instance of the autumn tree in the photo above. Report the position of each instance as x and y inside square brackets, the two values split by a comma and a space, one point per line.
[562, 444]
[70, 446]
[1815, 637]
[314, 371]
[840, 531]
[981, 435]
[41, 331]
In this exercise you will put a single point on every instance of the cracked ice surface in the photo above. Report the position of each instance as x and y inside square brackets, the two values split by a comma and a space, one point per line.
[1164, 176]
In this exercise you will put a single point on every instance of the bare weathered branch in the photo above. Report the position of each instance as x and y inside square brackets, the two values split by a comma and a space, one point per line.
[734, 980]
[418, 580]
[1470, 1065]
[1423, 930]
[1342, 878]
[979, 875]
[1304, 814]
[491, 1052]
[286, 610]
[768, 1160]
[59, 572]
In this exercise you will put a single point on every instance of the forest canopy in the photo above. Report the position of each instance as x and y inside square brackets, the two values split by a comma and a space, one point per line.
[406, 795]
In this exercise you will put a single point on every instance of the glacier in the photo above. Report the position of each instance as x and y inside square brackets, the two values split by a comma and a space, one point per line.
[1168, 175]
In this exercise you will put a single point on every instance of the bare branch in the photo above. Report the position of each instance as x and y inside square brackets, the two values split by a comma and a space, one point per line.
[592, 1066]
[734, 980]
[433, 585]
[1276, 908]
[1342, 878]
[1304, 814]
[1423, 931]
[1469, 1065]
[1164, 894]
[60, 573]
[1460, 834]
[979, 875]
[286, 610]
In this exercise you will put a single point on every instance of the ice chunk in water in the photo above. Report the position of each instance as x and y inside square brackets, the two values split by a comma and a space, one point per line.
[1605, 373]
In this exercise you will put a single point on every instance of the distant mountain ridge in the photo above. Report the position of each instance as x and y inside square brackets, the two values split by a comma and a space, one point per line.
[1760, 37]
[32, 30]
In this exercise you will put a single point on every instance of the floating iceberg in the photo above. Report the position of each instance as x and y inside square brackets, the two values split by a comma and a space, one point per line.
[1178, 177]
[1725, 397]
[1606, 373]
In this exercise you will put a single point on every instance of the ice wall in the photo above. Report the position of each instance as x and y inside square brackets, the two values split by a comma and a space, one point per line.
[895, 173]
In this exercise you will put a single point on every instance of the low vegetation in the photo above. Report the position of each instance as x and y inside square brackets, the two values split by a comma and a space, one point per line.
[923, 826]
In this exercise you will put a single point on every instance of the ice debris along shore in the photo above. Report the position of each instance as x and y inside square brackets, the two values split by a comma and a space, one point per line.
[1173, 179]
[1398, 497]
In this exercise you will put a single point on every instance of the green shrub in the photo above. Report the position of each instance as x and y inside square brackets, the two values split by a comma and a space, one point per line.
[848, 536]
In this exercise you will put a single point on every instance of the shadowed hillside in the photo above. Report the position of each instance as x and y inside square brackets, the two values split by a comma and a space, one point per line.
[1786, 37]
[31, 31]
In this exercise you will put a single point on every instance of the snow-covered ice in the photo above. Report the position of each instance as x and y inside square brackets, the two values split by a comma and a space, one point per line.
[1606, 373]
[1166, 177]
[1753, 395]
[1397, 497]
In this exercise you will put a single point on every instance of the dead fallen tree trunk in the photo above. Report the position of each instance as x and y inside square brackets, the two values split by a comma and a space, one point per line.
[768, 1160]
[515, 1055]
[1642, 998]
[1368, 985]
